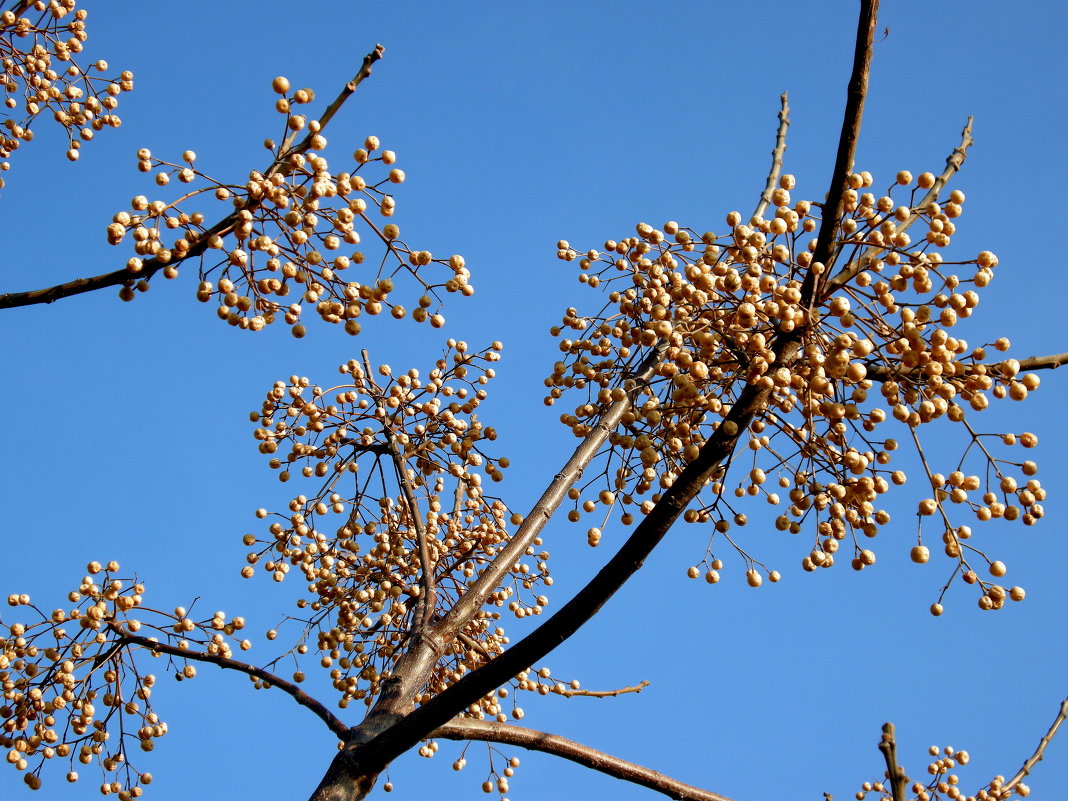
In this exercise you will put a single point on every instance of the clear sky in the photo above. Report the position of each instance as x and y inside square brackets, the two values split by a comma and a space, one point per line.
[519, 124]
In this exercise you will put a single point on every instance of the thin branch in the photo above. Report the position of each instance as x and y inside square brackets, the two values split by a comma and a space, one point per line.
[151, 266]
[1040, 752]
[894, 772]
[298, 695]
[636, 688]
[776, 157]
[578, 753]
[847, 148]
[427, 601]
[954, 161]
[877, 372]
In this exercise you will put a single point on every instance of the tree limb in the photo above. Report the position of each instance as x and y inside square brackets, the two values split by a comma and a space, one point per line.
[152, 266]
[578, 753]
[776, 157]
[1036, 757]
[298, 695]
[856, 92]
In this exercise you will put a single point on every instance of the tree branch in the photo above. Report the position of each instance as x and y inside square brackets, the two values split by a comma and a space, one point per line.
[954, 161]
[1036, 757]
[856, 92]
[151, 266]
[578, 753]
[636, 688]
[895, 774]
[776, 157]
[1052, 362]
[298, 695]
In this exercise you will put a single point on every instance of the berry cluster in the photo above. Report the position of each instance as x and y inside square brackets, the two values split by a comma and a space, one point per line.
[944, 784]
[291, 237]
[871, 344]
[382, 450]
[70, 681]
[39, 43]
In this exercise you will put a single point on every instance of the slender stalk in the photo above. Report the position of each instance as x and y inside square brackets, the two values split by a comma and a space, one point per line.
[427, 601]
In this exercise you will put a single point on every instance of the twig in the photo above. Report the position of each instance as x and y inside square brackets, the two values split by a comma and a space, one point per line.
[1039, 753]
[954, 161]
[152, 266]
[298, 695]
[556, 745]
[427, 601]
[894, 772]
[878, 372]
[636, 688]
[776, 157]
[847, 147]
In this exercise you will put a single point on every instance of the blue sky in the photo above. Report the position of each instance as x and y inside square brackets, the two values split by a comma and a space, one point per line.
[519, 125]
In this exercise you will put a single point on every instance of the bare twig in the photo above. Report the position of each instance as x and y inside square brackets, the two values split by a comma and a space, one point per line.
[556, 745]
[567, 692]
[152, 266]
[954, 161]
[298, 695]
[895, 774]
[776, 157]
[1039, 753]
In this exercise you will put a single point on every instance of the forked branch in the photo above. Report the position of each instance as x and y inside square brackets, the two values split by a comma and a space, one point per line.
[578, 753]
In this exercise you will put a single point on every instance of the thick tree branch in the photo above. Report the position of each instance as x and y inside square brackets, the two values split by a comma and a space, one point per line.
[578, 753]
[1040, 752]
[298, 695]
[895, 774]
[856, 92]
[954, 161]
[152, 266]
[776, 157]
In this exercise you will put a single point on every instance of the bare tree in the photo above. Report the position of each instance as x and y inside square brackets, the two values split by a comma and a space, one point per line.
[768, 362]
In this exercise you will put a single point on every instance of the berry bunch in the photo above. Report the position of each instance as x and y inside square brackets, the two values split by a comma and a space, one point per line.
[872, 344]
[382, 451]
[39, 45]
[292, 235]
[70, 681]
